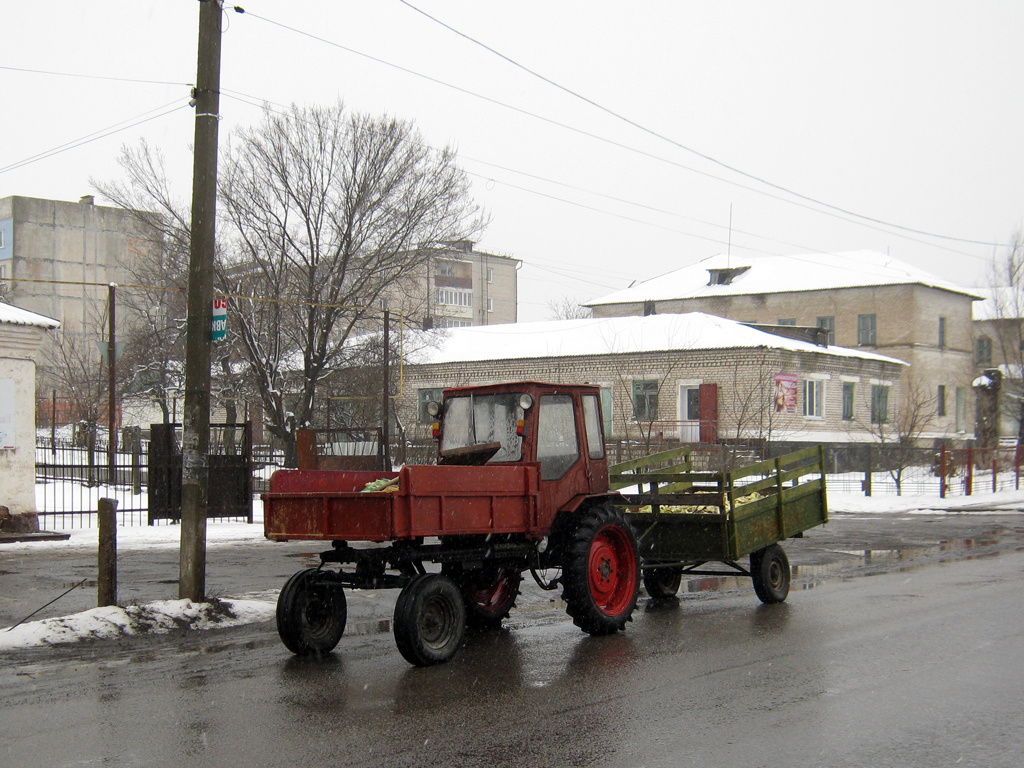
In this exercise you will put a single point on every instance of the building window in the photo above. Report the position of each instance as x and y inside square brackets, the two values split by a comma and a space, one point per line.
[983, 351]
[787, 321]
[879, 403]
[454, 322]
[942, 332]
[645, 400]
[446, 269]
[848, 390]
[866, 330]
[814, 397]
[454, 297]
[490, 275]
[490, 304]
[423, 397]
[940, 401]
[961, 409]
[829, 324]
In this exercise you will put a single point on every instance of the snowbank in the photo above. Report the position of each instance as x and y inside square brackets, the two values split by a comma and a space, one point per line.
[159, 617]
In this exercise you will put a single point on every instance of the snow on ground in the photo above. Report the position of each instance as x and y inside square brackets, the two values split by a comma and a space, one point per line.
[1004, 501]
[159, 617]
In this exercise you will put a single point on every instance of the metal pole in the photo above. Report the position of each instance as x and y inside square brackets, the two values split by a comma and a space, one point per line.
[111, 387]
[385, 432]
[196, 416]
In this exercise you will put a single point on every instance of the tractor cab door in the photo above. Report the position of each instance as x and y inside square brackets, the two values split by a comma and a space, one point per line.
[566, 443]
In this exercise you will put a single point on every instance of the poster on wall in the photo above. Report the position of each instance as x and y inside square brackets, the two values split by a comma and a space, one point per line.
[785, 393]
[6, 414]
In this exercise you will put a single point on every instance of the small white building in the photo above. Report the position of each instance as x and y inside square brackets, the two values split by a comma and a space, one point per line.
[22, 335]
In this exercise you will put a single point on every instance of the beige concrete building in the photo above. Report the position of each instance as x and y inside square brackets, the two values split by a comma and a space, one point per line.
[57, 258]
[692, 377]
[863, 300]
[22, 335]
[460, 286]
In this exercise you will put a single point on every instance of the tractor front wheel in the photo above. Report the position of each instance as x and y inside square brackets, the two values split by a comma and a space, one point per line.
[430, 620]
[311, 612]
[601, 571]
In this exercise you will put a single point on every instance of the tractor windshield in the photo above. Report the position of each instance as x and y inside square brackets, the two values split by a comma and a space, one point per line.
[475, 419]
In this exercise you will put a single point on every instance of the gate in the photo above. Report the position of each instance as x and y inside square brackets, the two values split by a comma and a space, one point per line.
[229, 484]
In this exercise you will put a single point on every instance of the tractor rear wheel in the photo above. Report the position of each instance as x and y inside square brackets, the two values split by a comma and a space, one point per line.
[430, 620]
[311, 612]
[490, 594]
[770, 570]
[601, 571]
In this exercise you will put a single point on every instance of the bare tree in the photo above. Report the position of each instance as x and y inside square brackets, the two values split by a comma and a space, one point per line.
[898, 431]
[323, 215]
[566, 308]
[326, 210]
[1007, 324]
[154, 330]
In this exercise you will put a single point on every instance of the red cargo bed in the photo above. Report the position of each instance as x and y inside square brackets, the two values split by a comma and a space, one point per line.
[431, 501]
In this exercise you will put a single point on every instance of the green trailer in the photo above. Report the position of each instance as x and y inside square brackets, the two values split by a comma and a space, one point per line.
[696, 524]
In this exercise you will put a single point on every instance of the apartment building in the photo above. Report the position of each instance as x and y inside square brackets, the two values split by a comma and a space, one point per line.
[864, 300]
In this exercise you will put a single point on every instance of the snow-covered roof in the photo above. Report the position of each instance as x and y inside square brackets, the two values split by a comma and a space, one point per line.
[18, 316]
[779, 274]
[609, 335]
[998, 303]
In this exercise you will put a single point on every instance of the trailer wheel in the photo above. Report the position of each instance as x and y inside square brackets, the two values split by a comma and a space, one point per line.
[430, 620]
[770, 570]
[490, 594]
[662, 582]
[311, 613]
[601, 571]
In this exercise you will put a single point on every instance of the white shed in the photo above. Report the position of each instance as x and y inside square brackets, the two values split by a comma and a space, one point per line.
[22, 334]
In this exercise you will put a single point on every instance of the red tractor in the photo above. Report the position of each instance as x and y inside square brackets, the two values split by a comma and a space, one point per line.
[521, 483]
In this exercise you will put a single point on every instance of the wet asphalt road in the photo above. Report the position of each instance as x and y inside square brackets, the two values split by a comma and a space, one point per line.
[901, 645]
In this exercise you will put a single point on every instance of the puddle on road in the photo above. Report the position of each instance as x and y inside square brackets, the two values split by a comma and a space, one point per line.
[808, 576]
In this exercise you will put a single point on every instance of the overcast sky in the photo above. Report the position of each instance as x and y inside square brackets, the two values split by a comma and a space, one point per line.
[908, 113]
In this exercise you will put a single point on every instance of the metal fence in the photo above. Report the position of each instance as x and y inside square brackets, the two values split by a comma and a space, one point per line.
[73, 475]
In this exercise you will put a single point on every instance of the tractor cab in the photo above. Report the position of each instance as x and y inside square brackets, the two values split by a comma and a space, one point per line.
[557, 426]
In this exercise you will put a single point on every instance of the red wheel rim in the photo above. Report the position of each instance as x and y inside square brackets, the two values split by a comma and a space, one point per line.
[493, 597]
[611, 570]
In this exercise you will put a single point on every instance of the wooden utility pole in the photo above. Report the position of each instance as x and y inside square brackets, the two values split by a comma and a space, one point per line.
[195, 443]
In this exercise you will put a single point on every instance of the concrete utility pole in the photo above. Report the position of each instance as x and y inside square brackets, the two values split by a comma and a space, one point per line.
[195, 444]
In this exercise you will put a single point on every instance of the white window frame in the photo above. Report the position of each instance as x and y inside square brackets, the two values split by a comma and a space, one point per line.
[490, 304]
[814, 398]
[454, 297]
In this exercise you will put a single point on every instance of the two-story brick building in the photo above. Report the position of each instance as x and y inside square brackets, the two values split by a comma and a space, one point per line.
[864, 300]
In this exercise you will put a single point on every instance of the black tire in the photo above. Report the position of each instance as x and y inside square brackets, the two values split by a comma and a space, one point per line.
[770, 570]
[662, 582]
[601, 571]
[430, 620]
[311, 612]
[490, 594]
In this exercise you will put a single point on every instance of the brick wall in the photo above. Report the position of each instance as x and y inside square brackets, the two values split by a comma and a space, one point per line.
[745, 379]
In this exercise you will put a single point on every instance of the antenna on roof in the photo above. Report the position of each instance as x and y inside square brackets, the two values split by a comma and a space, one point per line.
[728, 252]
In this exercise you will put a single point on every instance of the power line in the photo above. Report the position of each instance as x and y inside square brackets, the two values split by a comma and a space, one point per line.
[675, 143]
[834, 214]
[102, 133]
[94, 77]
